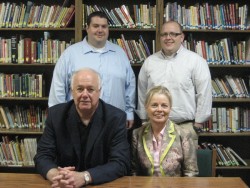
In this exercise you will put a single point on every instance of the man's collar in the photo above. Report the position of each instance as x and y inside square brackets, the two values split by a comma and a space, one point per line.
[87, 48]
[173, 55]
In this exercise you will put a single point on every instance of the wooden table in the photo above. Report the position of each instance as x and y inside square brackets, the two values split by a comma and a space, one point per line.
[177, 182]
[11, 180]
[15, 180]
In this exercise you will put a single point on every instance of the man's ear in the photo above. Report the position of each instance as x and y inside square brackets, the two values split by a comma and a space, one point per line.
[182, 37]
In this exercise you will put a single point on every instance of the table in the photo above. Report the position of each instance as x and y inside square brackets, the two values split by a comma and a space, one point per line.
[175, 182]
[16, 180]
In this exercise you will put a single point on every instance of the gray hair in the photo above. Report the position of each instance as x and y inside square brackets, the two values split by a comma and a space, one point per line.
[89, 70]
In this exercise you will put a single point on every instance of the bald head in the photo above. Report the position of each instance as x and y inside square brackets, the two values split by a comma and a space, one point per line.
[86, 71]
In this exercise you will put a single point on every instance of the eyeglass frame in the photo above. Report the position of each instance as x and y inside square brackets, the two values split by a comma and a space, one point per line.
[171, 34]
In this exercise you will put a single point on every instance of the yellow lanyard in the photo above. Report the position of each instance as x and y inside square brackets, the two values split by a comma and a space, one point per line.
[165, 151]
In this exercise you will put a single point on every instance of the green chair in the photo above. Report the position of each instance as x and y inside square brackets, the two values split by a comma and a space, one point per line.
[206, 160]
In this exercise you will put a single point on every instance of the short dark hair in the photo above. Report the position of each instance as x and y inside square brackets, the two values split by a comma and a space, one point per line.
[98, 14]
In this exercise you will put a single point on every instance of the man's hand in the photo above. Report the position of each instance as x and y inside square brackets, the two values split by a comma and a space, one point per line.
[198, 127]
[65, 177]
[69, 179]
[129, 124]
[55, 178]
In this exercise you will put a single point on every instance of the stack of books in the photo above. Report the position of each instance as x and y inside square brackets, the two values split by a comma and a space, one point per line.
[226, 156]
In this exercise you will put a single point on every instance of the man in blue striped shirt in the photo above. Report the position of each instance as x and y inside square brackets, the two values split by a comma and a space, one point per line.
[108, 59]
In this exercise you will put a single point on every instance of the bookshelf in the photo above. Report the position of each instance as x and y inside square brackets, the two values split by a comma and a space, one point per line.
[44, 68]
[76, 31]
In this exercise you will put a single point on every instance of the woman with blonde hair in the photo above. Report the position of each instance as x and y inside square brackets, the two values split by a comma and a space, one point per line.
[159, 147]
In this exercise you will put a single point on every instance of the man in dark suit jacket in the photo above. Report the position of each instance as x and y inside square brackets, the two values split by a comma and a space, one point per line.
[85, 140]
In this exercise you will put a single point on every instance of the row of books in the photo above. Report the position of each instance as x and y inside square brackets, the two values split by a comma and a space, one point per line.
[228, 120]
[207, 16]
[20, 49]
[222, 51]
[143, 15]
[14, 15]
[229, 86]
[137, 51]
[23, 117]
[225, 156]
[22, 85]
[17, 152]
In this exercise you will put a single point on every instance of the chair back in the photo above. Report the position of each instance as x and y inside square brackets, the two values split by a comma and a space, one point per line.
[206, 160]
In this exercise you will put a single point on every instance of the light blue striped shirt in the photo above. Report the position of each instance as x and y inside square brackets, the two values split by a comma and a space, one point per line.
[118, 79]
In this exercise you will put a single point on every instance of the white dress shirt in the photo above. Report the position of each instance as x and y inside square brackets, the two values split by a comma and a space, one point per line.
[187, 76]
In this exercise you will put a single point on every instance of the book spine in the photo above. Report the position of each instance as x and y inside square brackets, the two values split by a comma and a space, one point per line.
[8, 18]
[5, 119]
[127, 15]
[130, 56]
[23, 9]
[145, 45]
[70, 18]
[48, 17]
[27, 13]
[14, 46]
[27, 50]
[68, 15]
[6, 12]
[237, 156]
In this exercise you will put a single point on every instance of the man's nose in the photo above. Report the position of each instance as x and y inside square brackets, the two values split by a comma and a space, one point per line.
[100, 28]
[84, 92]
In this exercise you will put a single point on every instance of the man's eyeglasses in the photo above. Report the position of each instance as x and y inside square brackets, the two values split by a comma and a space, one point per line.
[171, 34]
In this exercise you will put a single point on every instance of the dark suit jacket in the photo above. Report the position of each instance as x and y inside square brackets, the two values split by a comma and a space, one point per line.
[107, 154]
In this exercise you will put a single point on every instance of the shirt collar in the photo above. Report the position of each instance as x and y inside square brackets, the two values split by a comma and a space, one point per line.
[173, 55]
[161, 133]
[87, 48]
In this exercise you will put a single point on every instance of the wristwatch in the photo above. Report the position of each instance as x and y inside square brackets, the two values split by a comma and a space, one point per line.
[86, 178]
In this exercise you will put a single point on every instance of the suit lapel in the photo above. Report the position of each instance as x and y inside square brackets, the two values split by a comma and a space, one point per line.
[96, 127]
[72, 126]
[149, 140]
[148, 146]
[168, 140]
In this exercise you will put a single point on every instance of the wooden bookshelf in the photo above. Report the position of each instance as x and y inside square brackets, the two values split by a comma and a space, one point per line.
[21, 131]
[231, 100]
[36, 34]
[224, 134]
[241, 167]
[214, 31]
